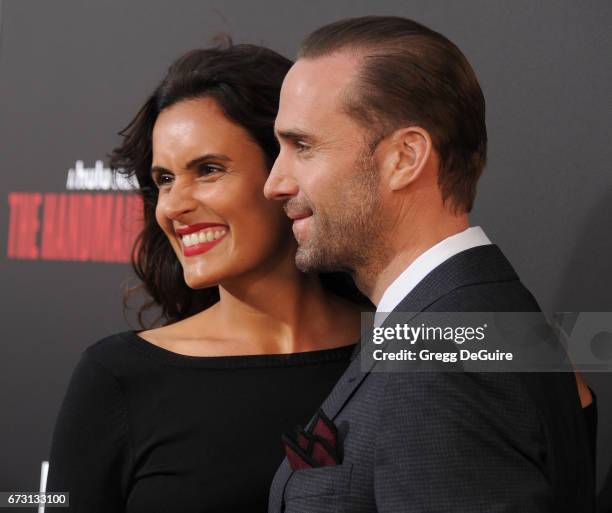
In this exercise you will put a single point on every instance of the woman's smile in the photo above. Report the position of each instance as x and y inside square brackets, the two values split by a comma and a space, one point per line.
[195, 243]
[200, 237]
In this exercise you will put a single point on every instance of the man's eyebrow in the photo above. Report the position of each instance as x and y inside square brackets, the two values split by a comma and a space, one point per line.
[218, 157]
[293, 135]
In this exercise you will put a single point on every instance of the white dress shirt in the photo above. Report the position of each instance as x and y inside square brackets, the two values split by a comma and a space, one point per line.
[424, 264]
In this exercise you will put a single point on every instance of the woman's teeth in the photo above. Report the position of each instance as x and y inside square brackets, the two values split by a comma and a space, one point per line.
[202, 236]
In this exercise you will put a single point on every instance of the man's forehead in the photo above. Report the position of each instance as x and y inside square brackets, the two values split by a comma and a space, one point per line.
[313, 87]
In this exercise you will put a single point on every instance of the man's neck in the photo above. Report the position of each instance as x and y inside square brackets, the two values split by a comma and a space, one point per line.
[374, 282]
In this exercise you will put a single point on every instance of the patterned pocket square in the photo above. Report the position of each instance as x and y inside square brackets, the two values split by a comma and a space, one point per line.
[315, 447]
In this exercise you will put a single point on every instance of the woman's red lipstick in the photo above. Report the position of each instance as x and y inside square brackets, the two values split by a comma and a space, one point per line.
[204, 241]
[196, 227]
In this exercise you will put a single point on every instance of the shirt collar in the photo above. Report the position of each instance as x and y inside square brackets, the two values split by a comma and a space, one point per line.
[424, 264]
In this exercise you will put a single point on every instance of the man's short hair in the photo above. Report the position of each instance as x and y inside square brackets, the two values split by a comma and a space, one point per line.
[412, 75]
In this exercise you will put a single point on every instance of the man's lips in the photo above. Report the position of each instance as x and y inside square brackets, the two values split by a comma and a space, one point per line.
[301, 220]
[296, 215]
[299, 217]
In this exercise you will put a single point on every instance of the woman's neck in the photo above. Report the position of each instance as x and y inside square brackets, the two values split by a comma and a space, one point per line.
[285, 312]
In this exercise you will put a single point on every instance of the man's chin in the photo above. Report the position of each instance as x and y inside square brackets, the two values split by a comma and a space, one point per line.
[303, 261]
[311, 259]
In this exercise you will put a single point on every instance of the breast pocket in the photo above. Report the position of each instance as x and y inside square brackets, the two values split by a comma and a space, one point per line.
[318, 489]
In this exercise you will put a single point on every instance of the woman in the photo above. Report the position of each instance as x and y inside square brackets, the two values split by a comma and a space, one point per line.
[189, 416]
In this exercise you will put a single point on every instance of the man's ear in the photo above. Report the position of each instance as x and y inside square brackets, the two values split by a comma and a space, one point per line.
[405, 156]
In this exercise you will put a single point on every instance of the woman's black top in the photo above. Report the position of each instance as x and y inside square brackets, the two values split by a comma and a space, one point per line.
[144, 429]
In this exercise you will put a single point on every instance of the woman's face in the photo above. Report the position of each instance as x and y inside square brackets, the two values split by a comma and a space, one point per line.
[210, 175]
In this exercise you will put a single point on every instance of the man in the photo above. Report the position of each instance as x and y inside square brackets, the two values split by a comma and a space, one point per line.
[382, 131]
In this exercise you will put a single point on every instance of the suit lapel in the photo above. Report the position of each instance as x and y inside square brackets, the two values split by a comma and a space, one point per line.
[476, 265]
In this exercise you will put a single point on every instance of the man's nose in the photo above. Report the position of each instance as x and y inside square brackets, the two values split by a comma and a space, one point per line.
[280, 185]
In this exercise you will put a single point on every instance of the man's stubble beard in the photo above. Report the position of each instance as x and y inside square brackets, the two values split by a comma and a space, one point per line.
[349, 235]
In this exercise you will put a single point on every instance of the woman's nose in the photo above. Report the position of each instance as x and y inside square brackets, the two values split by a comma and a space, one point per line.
[179, 200]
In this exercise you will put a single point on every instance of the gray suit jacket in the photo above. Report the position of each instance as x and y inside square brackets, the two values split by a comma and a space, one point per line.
[443, 441]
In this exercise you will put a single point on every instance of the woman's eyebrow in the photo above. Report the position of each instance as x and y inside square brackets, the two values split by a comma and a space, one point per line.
[205, 158]
[194, 162]
[159, 169]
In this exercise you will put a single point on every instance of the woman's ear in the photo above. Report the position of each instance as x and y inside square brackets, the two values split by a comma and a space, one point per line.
[405, 156]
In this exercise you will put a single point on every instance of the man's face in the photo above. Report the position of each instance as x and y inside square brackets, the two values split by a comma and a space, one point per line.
[325, 171]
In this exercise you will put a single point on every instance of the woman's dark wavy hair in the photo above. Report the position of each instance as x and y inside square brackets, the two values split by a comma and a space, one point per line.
[245, 82]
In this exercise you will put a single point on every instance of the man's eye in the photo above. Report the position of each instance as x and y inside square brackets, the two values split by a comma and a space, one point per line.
[302, 147]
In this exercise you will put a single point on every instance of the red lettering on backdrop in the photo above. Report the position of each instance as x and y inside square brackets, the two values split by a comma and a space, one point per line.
[23, 225]
[55, 215]
[12, 246]
[133, 224]
[32, 225]
[87, 229]
[101, 227]
[72, 227]
[75, 226]
[48, 246]
[117, 230]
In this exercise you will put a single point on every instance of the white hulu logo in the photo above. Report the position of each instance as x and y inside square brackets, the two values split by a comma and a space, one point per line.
[97, 178]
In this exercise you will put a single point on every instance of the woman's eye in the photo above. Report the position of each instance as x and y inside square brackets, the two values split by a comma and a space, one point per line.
[162, 179]
[207, 169]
